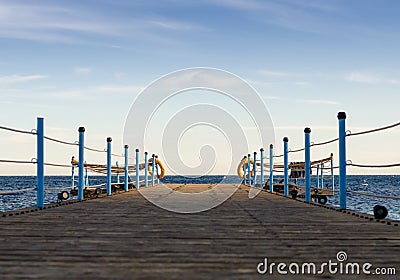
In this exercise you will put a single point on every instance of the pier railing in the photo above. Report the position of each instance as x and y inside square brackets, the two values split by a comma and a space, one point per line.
[254, 170]
[83, 167]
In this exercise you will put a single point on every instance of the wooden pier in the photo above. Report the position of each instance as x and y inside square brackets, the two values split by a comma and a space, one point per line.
[126, 237]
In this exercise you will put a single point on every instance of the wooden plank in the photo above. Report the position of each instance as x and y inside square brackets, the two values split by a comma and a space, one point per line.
[126, 237]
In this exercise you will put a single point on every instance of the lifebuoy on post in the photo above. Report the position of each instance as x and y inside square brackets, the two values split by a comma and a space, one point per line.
[240, 167]
[160, 165]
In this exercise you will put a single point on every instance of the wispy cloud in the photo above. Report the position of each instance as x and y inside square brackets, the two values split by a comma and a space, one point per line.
[299, 100]
[303, 84]
[82, 71]
[275, 73]
[300, 128]
[361, 77]
[90, 92]
[14, 79]
[34, 21]
[306, 16]
[173, 25]
[65, 23]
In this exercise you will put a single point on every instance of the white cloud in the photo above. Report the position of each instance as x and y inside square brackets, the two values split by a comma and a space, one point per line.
[365, 78]
[14, 79]
[300, 128]
[275, 73]
[90, 92]
[173, 24]
[69, 25]
[299, 100]
[38, 22]
[82, 70]
[302, 84]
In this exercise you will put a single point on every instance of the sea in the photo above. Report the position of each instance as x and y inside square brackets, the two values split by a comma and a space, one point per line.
[14, 197]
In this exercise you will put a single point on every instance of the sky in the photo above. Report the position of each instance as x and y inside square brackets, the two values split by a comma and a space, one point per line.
[83, 63]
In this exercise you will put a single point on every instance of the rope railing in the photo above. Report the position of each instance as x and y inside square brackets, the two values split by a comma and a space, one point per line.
[251, 166]
[374, 195]
[17, 161]
[10, 192]
[374, 166]
[33, 161]
[348, 133]
[82, 187]
[60, 141]
[373, 130]
[56, 165]
[32, 132]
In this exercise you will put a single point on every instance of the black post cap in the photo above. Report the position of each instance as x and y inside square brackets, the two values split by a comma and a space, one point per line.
[255, 153]
[261, 150]
[307, 130]
[341, 115]
[81, 129]
[137, 150]
[153, 155]
[271, 146]
[126, 146]
[248, 155]
[145, 153]
[109, 139]
[285, 139]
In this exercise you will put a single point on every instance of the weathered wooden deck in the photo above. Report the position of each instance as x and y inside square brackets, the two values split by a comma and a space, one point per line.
[126, 237]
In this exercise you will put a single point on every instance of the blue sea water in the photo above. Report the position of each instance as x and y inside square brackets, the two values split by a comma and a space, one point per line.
[375, 184]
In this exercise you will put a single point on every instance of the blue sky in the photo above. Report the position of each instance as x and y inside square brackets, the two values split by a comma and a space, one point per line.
[84, 62]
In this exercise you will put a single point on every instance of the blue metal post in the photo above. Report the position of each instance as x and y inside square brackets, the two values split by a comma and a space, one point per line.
[73, 176]
[137, 169]
[146, 170]
[307, 163]
[255, 170]
[40, 162]
[332, 175]
[342, 159]
[156, 165]
[86, 176]
[248, 170]
[322, 175]
[286, 167]
[153, 161]
[262, 168]
[126, 170]
[271, 168]
[317, 177]
[244, 171]
[81, 162]
[109, 165]
[117, 165]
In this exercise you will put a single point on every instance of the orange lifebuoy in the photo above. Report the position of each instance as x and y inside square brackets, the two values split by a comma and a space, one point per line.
[240, 167]
[160, 166]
